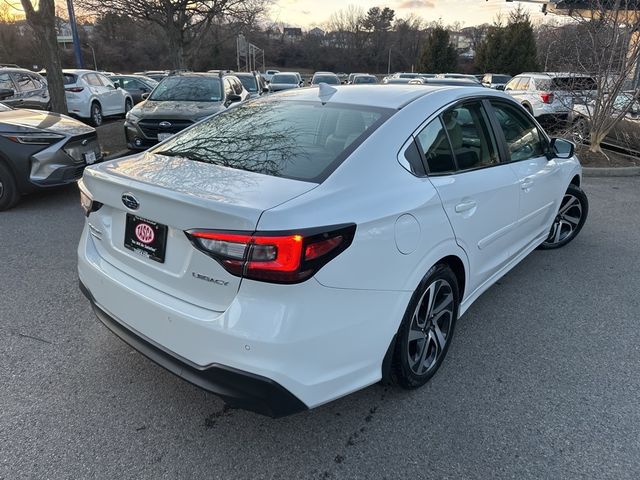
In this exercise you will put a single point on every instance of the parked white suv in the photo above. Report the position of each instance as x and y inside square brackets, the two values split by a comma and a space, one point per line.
[550, 96]
[92, 96]
[299, 247]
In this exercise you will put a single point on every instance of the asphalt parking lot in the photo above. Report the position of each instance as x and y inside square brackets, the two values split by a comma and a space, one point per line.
[542, 379]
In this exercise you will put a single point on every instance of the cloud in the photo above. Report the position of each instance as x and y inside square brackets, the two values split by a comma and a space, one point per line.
[411, 4]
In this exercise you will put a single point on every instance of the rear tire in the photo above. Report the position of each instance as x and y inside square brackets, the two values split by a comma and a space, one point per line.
[570, 219]
[96, 115]
[9, 194]
[427, 328]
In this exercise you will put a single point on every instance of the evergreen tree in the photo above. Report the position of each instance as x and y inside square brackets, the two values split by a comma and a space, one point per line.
[438, 55]
[509, 48]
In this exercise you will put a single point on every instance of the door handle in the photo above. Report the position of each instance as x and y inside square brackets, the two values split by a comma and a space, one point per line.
[465, 206]
[526, 183]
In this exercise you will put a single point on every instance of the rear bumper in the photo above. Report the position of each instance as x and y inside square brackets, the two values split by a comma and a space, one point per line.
[318, 343]
[237, 388]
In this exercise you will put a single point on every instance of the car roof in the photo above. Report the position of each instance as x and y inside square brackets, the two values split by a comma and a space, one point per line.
[374, 95]
[79, 71]
[552, 74]
[15, 69]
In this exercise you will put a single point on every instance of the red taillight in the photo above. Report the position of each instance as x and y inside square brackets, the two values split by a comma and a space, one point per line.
[287, 257]
[74, 89]
[546, 97]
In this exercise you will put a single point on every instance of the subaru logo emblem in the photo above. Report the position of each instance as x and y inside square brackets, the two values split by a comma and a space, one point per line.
[130, 201]
[165, 124]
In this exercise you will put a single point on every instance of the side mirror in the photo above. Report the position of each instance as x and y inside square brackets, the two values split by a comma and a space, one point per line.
[561, 148]
[6, 93]
[500, 87]
[265, 89]
[145, 95]
[234, 97]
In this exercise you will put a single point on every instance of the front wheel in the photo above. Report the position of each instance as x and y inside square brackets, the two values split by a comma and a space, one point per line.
[569, 220]
[427, 328]
[9, 194]
[128, 105]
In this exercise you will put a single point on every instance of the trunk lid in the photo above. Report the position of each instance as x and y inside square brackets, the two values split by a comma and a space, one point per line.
[183, 195]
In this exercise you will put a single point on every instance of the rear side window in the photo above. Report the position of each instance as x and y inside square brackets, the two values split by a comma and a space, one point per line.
[290, 139]
[435, 146]
[523, 137]
[471, 139]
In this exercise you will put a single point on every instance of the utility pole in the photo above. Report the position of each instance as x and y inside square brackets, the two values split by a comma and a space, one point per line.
[74, 34]
[93, 52]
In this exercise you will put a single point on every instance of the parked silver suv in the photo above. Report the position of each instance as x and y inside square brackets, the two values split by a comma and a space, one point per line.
[550, 96]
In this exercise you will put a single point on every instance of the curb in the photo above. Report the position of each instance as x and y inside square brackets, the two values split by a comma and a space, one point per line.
[611, 172]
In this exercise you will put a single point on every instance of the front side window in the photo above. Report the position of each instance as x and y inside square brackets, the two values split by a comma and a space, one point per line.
[290, 139]
[523, 84]
[25, 84]
[6, 82]
[188, 89]
[512, 84]
[523, 137]
[471, 139]
[93, 80]
[435, 146]
[249, 83]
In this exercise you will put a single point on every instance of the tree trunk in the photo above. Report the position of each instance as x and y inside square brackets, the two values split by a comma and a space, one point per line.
[176, 47]
[42, 22]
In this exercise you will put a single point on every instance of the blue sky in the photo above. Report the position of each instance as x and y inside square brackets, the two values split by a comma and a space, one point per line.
[307, 13]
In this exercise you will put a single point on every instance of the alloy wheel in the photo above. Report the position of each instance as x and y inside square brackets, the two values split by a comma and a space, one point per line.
[97, 115]
[431, 326]
[567, 220]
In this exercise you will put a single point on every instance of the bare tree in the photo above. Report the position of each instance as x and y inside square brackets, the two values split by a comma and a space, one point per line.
[184, 22]
[42, 21]
[606, 47]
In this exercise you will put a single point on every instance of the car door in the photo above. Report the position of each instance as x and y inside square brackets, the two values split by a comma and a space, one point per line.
[96, 90]
[113, 103]
[479, 192]
[540, 178]
[6, 83]
[41, 94]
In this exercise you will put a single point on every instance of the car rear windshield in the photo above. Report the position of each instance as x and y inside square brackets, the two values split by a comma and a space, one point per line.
[291, 139]
[249, 83]
[567, 84]
[330, 79]
[68, 78]
[284, 79]
[188, 89]
[500, 78]
[364, 80]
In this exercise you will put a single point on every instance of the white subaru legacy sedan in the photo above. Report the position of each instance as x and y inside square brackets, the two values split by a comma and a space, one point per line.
[302, 246]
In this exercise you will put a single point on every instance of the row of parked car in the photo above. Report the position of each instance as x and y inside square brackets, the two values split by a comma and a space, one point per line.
[45, 149]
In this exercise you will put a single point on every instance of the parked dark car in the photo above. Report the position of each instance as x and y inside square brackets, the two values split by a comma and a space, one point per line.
[625, 134]
[136, 85]
[178, 102]
[22, 88]
[41, 149]
[495, 80]
[253, 83]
